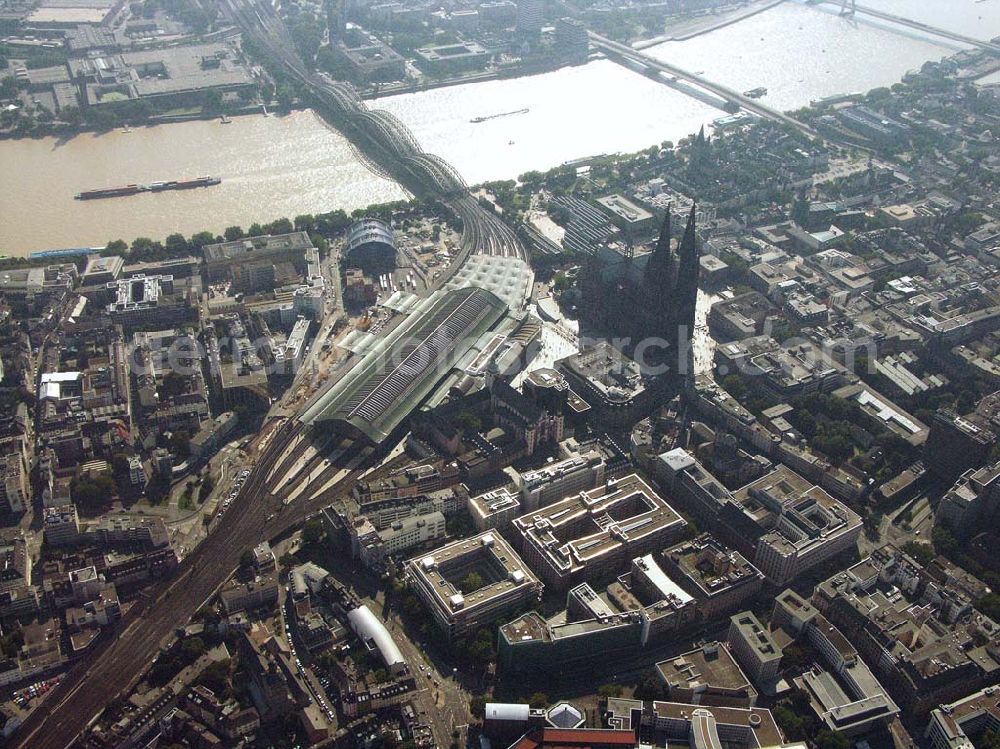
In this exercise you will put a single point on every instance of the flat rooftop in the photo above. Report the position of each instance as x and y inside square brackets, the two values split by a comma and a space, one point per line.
[758, 720]
[578, 529]
[711, 666]
[624, 209]
[186, 68]
[559, 469]
[496, 501]
[971, 708]
[885, 411]
[606, 369]
[757, 636]
[808, 513]
[452, 52]
[668, 589]
[240, 249]
[710, 566]
[488, 555]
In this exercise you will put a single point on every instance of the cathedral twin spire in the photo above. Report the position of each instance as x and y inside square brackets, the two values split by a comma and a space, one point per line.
[675, 285]
[687, 276]
[659, 274]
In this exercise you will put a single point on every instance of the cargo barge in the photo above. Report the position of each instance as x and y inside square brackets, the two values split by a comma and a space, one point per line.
[124, 190]
[487, 118]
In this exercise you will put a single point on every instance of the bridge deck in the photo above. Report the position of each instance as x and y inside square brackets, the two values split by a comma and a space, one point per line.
[745, 102]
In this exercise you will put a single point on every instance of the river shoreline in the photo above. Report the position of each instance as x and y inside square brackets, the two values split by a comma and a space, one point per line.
[279, 166]
[726, 19]
[66, 130]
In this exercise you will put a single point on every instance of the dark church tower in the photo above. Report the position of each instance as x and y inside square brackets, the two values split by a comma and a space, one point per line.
[649, 300]
[686, 290]
[658, 276]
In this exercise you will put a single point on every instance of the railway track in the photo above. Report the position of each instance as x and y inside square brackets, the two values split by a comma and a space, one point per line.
[259, 511]
[118, 662]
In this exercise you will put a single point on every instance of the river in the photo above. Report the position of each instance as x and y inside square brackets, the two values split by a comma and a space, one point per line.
[802, 53]
[573, 112]
[270, 167]
[799, 53]
[976, 18]
[282, 166]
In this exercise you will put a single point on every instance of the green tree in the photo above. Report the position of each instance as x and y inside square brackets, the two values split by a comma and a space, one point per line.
[176, 244]
[923, 553]
[233, 233]
[650, 687]
[192, 649]
[473, 581]
[793, 726]
[312, 531]
[211, 101]
[217, 678]
[469, 421]
[990, 740]
[180, 443]
[538, 701]
[945, 542]
[143, 245]
[119, 464]
[734, 385]
[319, 242]
[800, 211]
[116, 247]
[11, 643]
[477, 706]
[990, 605]
[480, 651]
[201, 239]
[206, 488]
[794, 658]
[827, 739]
[93, 493]
[172, 385]
[281, 226]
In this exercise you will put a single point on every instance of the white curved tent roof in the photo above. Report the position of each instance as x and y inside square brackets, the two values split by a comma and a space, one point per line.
[506, 711]
[367, 626]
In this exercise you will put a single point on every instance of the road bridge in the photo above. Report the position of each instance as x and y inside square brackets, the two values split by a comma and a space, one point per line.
[380, 131]
[745, 102]
[919, 26]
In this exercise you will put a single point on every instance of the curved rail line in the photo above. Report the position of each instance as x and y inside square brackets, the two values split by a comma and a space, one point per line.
[483, 231]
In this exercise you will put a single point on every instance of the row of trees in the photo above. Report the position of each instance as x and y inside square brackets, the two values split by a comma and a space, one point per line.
[537, 701]
[40, 121]
[948, 546]
[319, 226]
[169, 664]
[33, 57]
[795, 716]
